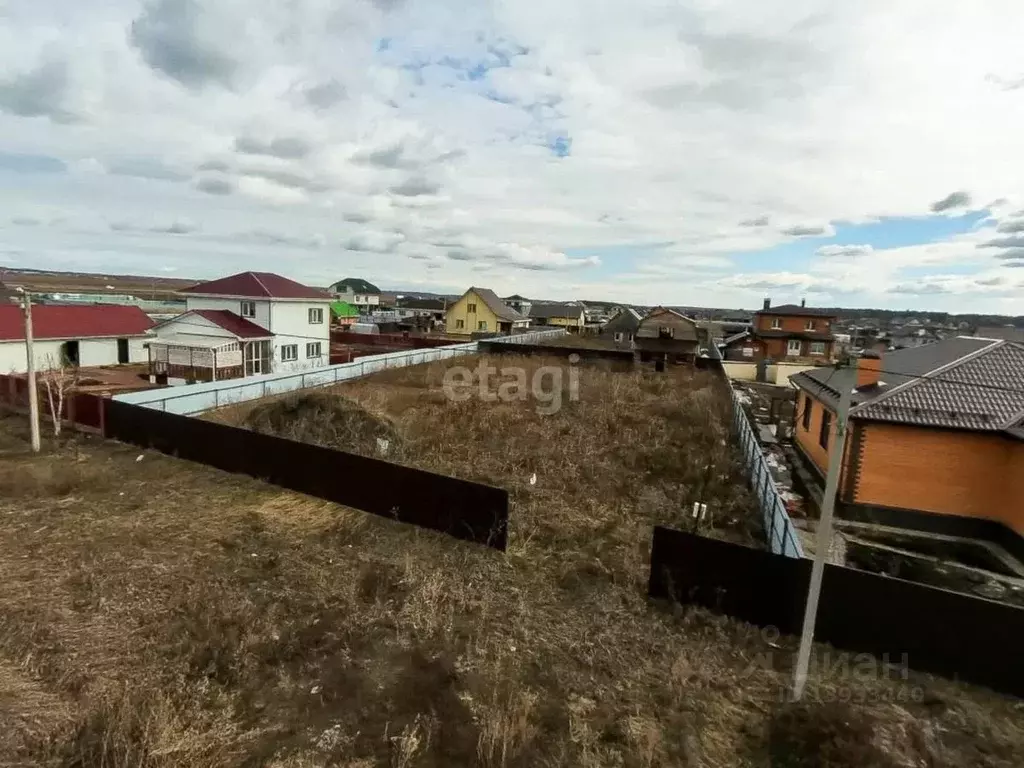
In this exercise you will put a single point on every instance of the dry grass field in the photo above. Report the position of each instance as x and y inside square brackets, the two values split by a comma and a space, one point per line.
[159, 613]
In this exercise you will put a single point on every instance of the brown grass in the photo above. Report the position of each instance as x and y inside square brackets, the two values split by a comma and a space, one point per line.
[160, 613]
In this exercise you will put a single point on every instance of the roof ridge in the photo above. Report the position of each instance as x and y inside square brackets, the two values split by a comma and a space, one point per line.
[266, 290]
[928, 375]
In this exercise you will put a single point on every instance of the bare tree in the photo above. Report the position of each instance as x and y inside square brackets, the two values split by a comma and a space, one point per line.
[59, 379]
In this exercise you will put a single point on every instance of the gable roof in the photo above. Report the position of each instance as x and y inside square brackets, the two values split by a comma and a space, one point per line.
[74, 321]
[356, 285]
[257, 285]
[958, 383]
[555, 309]
[690, 333]
[626, 320]
[797, 310]
[496, 305]
[234, 324]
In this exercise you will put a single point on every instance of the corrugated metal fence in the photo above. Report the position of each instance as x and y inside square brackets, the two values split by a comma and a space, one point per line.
[782, 538]
[192, 399]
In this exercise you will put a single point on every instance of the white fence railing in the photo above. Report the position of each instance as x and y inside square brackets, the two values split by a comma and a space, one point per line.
[782, 538]
[196, 398]
[192, 399]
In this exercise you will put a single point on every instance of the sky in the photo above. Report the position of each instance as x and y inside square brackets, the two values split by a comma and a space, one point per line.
[687, 153]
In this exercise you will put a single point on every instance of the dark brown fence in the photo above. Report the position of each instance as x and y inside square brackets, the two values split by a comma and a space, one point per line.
[79, 409]
[392, 340]
[463, 509]
[624, 356]
[935, 630]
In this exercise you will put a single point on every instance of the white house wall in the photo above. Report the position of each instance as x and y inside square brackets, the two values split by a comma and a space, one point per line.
[263, 312]
[91, 352]
[289, 321]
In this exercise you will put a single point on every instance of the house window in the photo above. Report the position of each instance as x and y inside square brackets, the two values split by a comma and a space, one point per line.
[809, 325]
[482, 325]
[794, 347]
[248, 309]
[808, 409]
[460, 323]
[748, 351]
[826, 427]
[289, 352]
[313, 349]
[618, 337]
[471, 308]
[316, 317]
[817, 347]
[776, 323]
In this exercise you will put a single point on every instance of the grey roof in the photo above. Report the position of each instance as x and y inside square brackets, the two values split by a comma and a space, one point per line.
[555, 309]
[959, 383]
[496, 305]
[796, 309]
[1006, 332]
[626, 321]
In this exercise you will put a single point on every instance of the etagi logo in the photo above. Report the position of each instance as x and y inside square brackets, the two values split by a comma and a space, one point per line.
[549, 386]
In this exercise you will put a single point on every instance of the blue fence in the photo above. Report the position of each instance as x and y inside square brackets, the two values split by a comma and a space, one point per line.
[782, 538]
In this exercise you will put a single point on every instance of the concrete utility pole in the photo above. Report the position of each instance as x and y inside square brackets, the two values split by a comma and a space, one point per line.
[33, 393]
[824, 535]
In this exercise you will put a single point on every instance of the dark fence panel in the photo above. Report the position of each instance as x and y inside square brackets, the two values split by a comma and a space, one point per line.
[947, 633]
[460, 508]
[585, 353]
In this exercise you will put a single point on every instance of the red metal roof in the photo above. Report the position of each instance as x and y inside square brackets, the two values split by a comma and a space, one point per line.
[257, 285]
[73, 321]
[232, 323]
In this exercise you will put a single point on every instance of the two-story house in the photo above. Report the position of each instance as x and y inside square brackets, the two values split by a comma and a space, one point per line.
[358, 292]
[790, 332]
[668, 335]
[243, 325]
[479, 310]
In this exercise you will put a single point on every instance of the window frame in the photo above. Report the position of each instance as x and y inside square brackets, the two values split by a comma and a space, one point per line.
[776, 324]
[809, 325]
[808, 413]
[819, 345]
[317, 346]
[471, 307]
[789, 348]
[481, 325]
[293, 349]
[825, 430]
[242, 306]
[316, 312]
[460, 323]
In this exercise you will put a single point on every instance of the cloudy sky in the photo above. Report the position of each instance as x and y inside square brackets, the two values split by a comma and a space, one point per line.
[690, 152]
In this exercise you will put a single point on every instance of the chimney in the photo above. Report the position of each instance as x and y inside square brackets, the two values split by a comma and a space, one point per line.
[767, 304]
[869, 369]
[803, 302]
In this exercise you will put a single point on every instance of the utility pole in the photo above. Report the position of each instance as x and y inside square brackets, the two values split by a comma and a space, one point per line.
[824, 535]
[33, 393]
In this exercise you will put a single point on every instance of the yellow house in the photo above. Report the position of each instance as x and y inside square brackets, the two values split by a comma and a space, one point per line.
[479, 310]
[572, 317]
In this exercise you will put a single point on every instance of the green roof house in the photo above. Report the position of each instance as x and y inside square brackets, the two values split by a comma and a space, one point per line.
[359, 292]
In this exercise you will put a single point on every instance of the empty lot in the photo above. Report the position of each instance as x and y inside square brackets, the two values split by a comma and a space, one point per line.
[155, 612]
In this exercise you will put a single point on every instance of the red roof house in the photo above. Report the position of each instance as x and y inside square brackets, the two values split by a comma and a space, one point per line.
[74, 321]
[256, 285]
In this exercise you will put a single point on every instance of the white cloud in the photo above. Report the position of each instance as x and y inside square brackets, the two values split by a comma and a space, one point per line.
[722, 129]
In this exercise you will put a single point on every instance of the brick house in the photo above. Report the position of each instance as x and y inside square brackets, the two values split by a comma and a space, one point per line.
[790, 332]
[935, 439]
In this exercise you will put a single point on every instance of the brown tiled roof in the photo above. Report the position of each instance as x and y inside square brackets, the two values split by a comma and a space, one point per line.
[257, 285]
[797, 310]
[496, 305]
[959, 383]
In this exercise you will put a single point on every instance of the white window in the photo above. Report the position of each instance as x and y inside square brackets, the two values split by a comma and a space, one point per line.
[460, 323]
[748, 351]
[817, 347]
[313, 349]
[248, 309]
[482, 325]
[776, 323]
[809, 325]
[316, 317]
[289, 352]
[794, 347]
